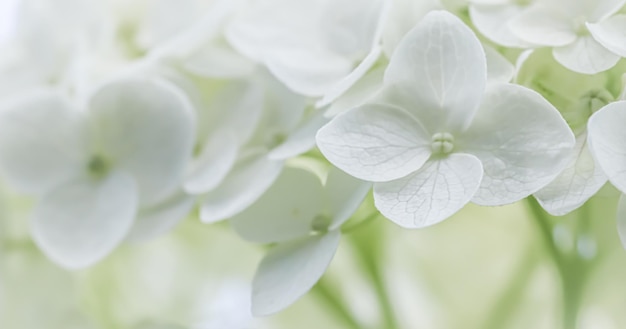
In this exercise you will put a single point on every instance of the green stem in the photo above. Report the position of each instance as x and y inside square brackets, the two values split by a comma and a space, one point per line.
[325, 292]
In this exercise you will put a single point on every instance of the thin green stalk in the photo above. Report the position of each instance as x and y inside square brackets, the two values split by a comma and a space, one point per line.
[334, 304]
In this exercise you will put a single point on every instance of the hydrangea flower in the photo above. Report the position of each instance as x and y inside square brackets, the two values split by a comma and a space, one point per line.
[305, 228]
[492, 17]
[92, 170]
[437, 138]
[584, 36]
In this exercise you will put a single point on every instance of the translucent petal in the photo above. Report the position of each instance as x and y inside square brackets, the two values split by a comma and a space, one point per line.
[161, 218]
[521, 140]
[301, 139]
[42, 141]
[215, 161]
[606, 141]
[542, 25]
[435, 192]
[375, 143]
[492, 22]
[586, 56]
[248, 180]
[611, 33]
[440, 65]
[575, 185]
[80, 222]
[343, 195]
[145, 127]
[499, 69]
[289, 270]
[285, 211]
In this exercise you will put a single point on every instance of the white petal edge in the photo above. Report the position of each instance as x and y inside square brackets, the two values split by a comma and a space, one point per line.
[492, 22]
[606, 142]
[542, 25]
[301, 139]
[611, 34]
[585, 55]
[290, 270]
[343, 194]
[80, 222]
[375, 143]
[285, 211]
[521, 140]
[435, 192]
[575, 185]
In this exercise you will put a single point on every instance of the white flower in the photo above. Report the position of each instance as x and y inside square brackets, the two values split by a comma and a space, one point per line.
[438, 139]
[492, 17]
[584, 36]
[317, 48]
[303, 218]
[94, 169]
[606, 142]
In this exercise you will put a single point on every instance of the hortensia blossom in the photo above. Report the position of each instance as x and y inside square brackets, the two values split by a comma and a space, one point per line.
[93, 168]
[438, 137]
[306, 230]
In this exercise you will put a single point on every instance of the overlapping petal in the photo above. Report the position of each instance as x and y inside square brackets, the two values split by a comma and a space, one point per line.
[79, 222]
[343, 195]
[610, 33]
[544, 25]
[435, 192]
[440, 66]
[521, 140]
[606, 141]
[147, 128]
[585, 55]
[375, 143]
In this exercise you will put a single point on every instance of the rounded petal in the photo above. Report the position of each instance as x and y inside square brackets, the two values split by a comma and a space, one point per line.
[610, 34]
[359, 93]
[441, 66]
[289, 270]
[145, 127]
[248, 180]
[215, 161]
[344, 194]
[491, 20]
[521, 140]
[542, 25]
[80, 222]
[285, 211]
[42, 142]
[375, 143]
[606, 141]
[585, 55]
[163, 217]
[435, 192]
[575, 185]
[499, 69]
[301, 139]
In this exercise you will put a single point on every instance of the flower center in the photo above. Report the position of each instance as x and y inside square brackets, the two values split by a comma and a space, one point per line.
[320, 224]
[442, 143]
[97, 166]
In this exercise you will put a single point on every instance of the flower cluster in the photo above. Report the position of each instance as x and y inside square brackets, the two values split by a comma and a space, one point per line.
[120, 118]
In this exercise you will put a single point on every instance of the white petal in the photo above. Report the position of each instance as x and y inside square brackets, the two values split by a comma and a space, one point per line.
[147, 128]
[344, 194]
[80, 222]
[522, 141]
[575, 185]
[621, 219]
[606, 141]
[492, 22]
[441, 66]
[364, 89]
[289, 270]
[301, 139]
[403, 16]
[375, 143]
[542, 25]
[218, 60]
[159, 219]
[499, 69]
[343, 85]
[598, 10]
[435, 192]
[42, 141]
[215, 161]
[285, 211]
[248, 180]
[586, 56]
[611, 33]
